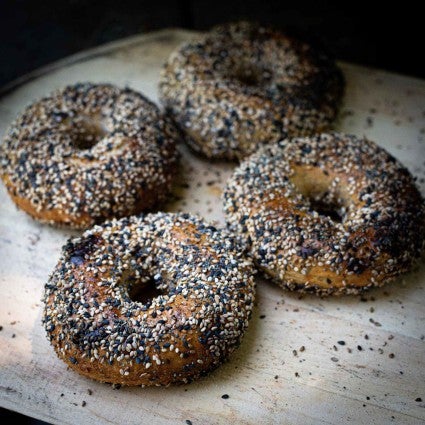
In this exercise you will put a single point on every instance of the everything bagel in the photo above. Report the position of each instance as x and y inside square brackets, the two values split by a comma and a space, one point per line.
[192, 326]
[86, 153]
[330, 214]
[243, 85]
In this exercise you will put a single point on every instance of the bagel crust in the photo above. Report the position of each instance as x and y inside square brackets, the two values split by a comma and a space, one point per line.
[244, 85]
[207, 293]
[86, 153]
[331, 214]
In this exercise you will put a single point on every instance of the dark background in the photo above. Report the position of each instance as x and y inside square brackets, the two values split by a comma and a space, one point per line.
[36, 32]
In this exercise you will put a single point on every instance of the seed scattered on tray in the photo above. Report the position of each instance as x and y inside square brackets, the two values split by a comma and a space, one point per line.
[371, 320]
[369, 122]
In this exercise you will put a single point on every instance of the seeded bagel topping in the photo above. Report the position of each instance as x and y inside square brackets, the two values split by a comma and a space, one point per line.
[88, 152]
[243, 85]
[328, 214]
[204, 298]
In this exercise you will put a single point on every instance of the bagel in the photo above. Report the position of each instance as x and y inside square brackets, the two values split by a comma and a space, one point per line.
[243, 85]
[206, 296]
[331, 214]
[86, 153]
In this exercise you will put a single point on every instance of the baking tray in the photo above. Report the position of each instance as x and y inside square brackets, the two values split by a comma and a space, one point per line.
[291, 366]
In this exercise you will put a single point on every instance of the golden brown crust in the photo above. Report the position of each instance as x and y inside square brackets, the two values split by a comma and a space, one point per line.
[162, 374]
[89, 152]
[331, 214]
[207, 295]
[53, 215]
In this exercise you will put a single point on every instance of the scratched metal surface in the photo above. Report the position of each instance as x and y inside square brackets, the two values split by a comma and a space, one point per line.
[290, 367]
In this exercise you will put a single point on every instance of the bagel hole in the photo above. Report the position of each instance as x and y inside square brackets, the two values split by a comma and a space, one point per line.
[143, 292]
[334, 209]
[251, 75]
[323, 194]
[87, 132]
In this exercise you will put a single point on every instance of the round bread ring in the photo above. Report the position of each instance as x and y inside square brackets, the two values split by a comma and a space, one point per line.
[89, 152]
[331, 214]
[243, 85]
[198, 320]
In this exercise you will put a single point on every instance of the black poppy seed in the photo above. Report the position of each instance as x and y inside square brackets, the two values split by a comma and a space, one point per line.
[225, 396]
